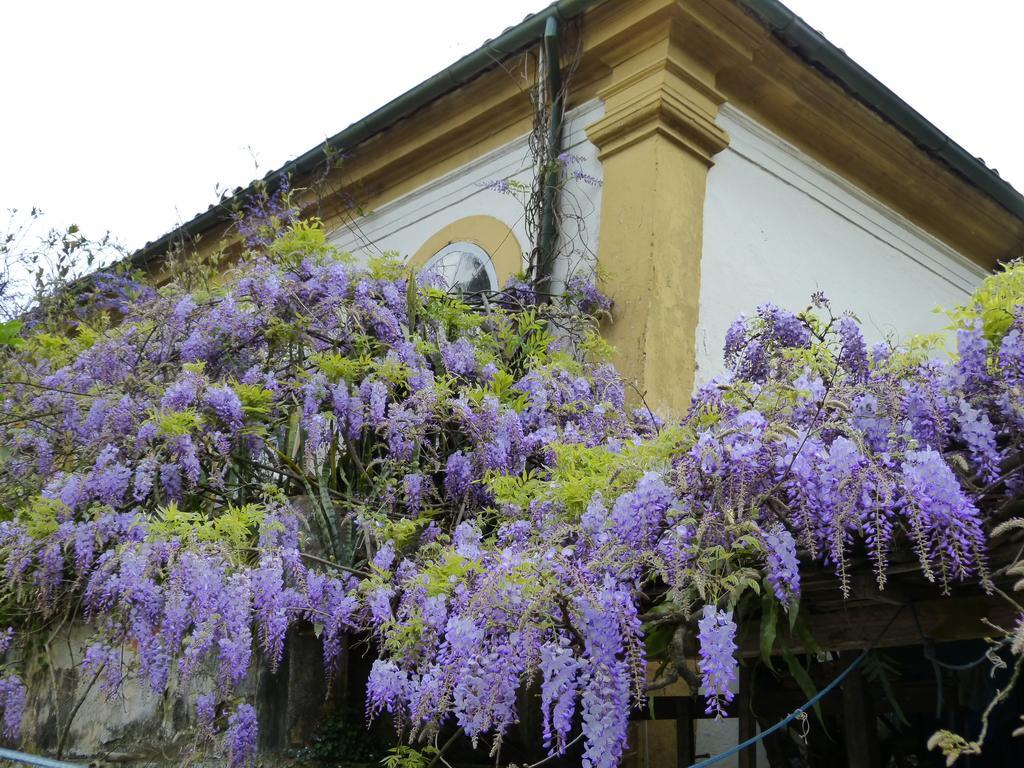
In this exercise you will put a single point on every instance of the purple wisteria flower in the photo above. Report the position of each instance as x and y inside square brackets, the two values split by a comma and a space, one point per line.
[717, 663]
[12, 701]
[853, 353]
[583, 290]
[606, 693]
[5, 640]
[412, 488]
[385, 688]
[559, 670]
[224, 403]
[206, 710]
[241, 736]
[459, 357]
[782, 565]
[320, 443]
[458, 475]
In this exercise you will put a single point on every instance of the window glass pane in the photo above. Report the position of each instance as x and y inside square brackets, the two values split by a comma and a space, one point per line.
[465, 267]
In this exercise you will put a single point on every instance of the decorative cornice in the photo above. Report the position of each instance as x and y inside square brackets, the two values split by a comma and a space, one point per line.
[658, 90]
[664, 111]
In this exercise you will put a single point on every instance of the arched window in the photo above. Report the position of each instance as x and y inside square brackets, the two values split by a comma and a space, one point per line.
[465, 267]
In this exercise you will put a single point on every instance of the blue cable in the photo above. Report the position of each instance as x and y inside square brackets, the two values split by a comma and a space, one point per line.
[44, 762]
[788, 719]
[804, 707]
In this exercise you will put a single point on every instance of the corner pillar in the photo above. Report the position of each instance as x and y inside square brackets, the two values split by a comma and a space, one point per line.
[656, 141]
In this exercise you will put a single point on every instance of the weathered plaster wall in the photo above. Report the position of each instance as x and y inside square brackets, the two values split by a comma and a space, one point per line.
[412, 221]
[138, 727]
[779, 226]
[65, 704]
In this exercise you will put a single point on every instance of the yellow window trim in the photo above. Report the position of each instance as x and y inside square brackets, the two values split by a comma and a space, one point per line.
[491, 234]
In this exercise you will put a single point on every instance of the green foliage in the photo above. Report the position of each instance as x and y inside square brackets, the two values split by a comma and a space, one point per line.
[50, 346]
[391, 370]
[340, 740]
[285, 333]
[256, 401]
[501, 387]
[448, 311]
[595, 347]
[517, 489]
[9, 333]
[917, 350]
[62, 348]
[400, 637]
[722, 575]
[803, 679]
[993, 302]
[444, 574]
[337, 367]
[525, 336]
[879, 668]
[235, 526]
[40, 516]
[657, 638]
[581, 471]
[769, 628]
[177, 423]
[305, 239]
[401, 531]
[409, 757]
[387, 266]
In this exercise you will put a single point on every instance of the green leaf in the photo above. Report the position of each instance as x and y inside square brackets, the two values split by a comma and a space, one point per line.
[802, 633]
[804, 681]
[769, 626]
[293, 441]
[9, 333]
[337, 367]
[327, 509]
[879, 670]
[347, 542]
[657, 640]
[412, 299]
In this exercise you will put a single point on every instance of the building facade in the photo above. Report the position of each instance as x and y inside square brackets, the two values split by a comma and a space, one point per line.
[718, 154]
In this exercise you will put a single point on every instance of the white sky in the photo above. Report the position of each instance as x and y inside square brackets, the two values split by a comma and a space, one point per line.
[126, 116]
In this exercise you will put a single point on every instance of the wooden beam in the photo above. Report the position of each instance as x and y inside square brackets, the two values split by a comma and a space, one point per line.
[747, 724]
[859, 729]
[861, 625]
[686, 747]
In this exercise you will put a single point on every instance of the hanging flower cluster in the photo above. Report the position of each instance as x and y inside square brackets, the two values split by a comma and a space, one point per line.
[464, 486]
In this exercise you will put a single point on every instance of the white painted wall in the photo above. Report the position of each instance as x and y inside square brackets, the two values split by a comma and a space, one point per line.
[779, 226]
[405, 223]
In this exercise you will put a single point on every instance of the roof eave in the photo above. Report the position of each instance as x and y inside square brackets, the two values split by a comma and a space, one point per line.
[528, 32]
[786, 26]
[817, 51]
